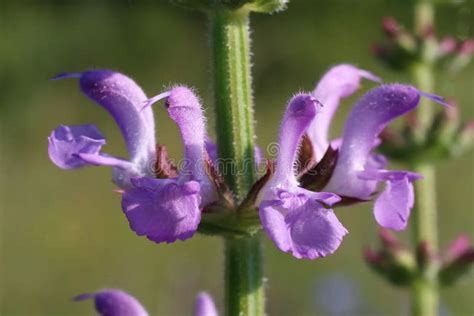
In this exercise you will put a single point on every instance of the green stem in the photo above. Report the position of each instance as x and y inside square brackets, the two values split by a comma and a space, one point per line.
[230, 45]
[425, 299]
[425, 294]
[425, 289]
[244, 277]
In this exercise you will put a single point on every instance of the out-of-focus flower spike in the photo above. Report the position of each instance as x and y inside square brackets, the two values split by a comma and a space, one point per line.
[114, 302]
[447, 45]
[467, 47]
[457, 260]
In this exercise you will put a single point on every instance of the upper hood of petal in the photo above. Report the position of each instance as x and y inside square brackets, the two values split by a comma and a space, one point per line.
[123, 99]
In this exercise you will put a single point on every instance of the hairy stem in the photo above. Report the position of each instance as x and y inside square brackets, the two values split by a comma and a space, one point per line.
[230, 45]
[244, 276]
[425, 294]
[230, 42]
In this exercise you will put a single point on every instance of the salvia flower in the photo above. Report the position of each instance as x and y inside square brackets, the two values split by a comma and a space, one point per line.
[164, 206]
[297, 219]
[72, 147]
[358, 170]
[293, 210]
[168, 209]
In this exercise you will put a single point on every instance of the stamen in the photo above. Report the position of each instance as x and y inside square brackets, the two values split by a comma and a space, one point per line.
[436, 98]
[155, 99]
[369, 76]
[65, 75]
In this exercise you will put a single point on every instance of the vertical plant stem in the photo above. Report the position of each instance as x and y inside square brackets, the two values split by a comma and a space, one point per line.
[425, 294]
[425, 289]
[244, 277]
[230, 45]
[233, 97]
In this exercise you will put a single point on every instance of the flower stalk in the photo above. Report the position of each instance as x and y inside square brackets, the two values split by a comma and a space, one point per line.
[230, 47]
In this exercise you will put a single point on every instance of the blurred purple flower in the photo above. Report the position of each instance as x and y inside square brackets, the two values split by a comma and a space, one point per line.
[204, 305]
[114, 302]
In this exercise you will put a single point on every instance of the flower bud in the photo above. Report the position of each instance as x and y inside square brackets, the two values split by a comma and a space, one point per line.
[447, 45]
[393, 261]
[390, 26]
[457, 261]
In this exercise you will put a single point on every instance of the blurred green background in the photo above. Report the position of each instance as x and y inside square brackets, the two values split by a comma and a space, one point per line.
[63, 233]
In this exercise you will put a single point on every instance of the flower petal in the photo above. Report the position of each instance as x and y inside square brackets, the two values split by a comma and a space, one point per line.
[65, 142]
[163, 210]
[186, 111]
[300, 112]
[114, 302]
[339, 82]
[204, 305]
[392, 208]
[368, 118]
[123, 99]
[300, 225]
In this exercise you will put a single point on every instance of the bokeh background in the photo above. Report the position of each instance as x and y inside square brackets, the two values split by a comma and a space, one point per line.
[63, 233]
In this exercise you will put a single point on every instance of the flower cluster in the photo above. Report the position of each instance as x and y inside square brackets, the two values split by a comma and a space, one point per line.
[402, 48]
[311, 174]
[398, 264]
[114, 302]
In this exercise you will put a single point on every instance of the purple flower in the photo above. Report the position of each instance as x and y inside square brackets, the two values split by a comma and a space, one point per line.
[113, 302]
[296, 219]
[73, 147]
[358, 170]
[168, 209]
[204, 305]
